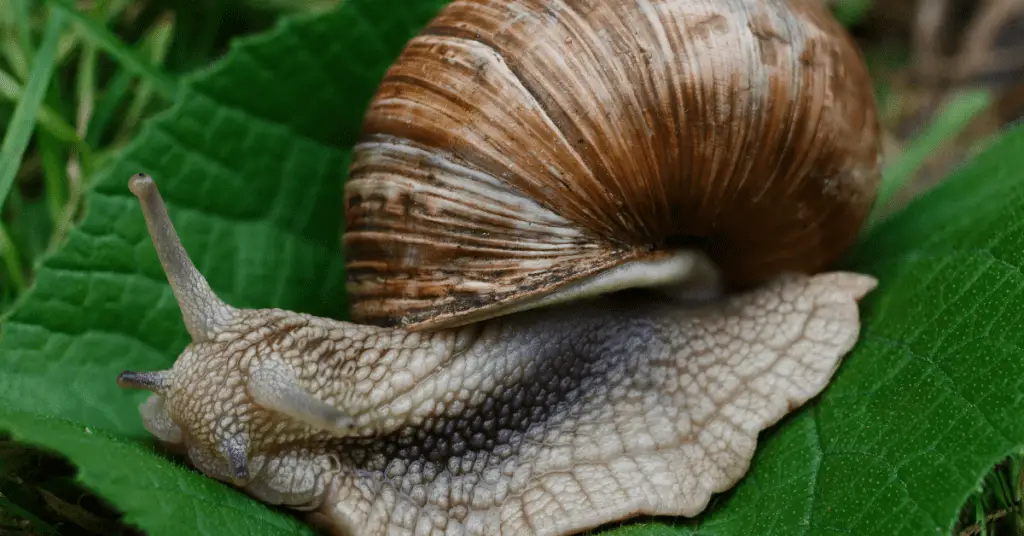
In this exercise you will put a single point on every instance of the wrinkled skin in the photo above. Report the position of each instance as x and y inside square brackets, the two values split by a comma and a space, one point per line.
[544, 422]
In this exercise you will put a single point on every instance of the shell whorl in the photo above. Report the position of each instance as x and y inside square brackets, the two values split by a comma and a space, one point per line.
[518, 145]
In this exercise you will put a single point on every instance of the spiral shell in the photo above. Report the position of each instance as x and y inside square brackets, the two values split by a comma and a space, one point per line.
[517, 146]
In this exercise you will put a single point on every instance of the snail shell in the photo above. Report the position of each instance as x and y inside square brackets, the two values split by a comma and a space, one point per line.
[517, 146]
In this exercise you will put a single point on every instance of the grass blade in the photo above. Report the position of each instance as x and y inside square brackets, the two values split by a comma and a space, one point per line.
[49, 120]
[851, 12]
[12, 261]
[104, 39]
[23, 23]
[156, 42]
[117, 91]
[948, 124]
[23, 122]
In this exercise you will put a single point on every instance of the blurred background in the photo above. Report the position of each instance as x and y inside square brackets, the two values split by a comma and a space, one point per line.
[949, 76]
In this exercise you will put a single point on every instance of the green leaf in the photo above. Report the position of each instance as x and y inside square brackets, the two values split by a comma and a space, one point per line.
[251, 159]
[155, 492]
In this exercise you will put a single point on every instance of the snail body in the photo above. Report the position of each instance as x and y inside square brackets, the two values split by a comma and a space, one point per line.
[521, 161]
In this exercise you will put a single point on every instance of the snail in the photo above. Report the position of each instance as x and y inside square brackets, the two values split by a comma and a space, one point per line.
[588, 249]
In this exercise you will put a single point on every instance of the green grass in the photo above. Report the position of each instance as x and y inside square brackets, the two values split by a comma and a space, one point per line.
[947, 125]
[22, 124]
[75, 86]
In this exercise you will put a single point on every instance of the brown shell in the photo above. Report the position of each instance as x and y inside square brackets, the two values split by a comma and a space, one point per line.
[518, 145]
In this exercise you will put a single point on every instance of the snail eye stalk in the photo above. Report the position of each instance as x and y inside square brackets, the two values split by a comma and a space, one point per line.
[157, 382]
[204, 313]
